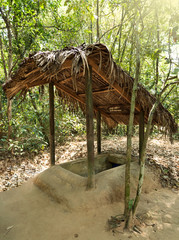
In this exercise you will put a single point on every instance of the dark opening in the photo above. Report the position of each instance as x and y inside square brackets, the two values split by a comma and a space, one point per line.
[103, 162]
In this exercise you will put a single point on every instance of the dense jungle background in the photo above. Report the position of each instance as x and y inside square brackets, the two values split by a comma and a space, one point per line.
[28, 26]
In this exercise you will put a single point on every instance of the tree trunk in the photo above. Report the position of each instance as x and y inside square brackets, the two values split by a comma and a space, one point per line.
[127, 210]
[124, 45]
[97, 22]
[1, 116]
[9, 116]
[143, 151]
[148, 128]
[131, 53]
[52, 125]
[3, 59]
[90, 128]
[120, 32]
[91, 34]
[98, 132]
[157, 59]
[141, 133]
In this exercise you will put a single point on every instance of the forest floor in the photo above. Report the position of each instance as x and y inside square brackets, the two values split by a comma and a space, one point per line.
[161, 155]
[28, 213]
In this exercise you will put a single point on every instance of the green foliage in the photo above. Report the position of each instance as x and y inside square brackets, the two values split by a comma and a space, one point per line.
[28, 133]
[49, 25]
[119, 130]
[71, 125]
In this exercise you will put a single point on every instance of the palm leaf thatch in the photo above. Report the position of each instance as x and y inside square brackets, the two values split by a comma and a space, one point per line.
[112, 87]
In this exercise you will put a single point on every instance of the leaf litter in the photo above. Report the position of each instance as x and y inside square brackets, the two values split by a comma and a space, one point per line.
[161, 156]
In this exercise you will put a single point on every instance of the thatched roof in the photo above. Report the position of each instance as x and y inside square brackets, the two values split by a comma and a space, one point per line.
[112, 87]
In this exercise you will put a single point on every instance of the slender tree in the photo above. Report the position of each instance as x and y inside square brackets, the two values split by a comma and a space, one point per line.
[158, 94]
[97, 21]
[127, 210]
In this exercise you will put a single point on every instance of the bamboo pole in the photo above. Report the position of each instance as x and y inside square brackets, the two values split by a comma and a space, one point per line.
[141, 133]
[98, 132]
[90, 128]
[52, 125]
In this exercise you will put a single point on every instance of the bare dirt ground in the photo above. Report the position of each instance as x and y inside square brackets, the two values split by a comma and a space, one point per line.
[27, 213]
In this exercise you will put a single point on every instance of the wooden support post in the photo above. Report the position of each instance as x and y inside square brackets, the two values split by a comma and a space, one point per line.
[98, 132]
[141, 133]
[52, 125]
[90, 128]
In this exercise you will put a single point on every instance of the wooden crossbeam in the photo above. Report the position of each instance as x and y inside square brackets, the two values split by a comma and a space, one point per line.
[100, 91]
[122, 106]
[117, 113]
[31, 73]
[65, 80]
[70, 78]
[80, 99]
[121, 113]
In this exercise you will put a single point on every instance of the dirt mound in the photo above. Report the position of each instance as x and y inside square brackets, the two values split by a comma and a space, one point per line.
[69, 189]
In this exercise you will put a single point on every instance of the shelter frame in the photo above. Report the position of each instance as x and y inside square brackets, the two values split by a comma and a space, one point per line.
[70, 69]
